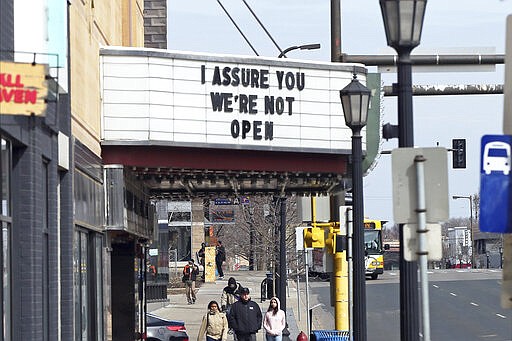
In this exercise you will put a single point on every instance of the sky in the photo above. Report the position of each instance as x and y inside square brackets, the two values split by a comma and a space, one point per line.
[467, 26]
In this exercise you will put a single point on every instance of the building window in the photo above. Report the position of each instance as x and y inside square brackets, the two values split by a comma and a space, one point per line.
[98, 249]
[5, 173]
[45, 283]
[81, 288]
[88, 279]
[5, 241]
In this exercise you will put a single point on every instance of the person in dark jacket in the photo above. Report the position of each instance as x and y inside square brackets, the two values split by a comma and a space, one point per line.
[190, 272]
[245, 317]
[230, 294]
[220, 258]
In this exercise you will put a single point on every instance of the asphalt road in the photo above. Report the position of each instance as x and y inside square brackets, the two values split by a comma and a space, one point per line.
[464, 305]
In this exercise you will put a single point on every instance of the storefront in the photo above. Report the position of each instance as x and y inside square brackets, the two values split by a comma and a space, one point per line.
[35, 210]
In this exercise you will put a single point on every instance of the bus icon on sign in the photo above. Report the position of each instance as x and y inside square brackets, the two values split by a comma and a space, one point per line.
[496, 157]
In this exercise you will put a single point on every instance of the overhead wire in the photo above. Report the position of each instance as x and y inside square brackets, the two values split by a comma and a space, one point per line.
[238, 28]
[264, 28]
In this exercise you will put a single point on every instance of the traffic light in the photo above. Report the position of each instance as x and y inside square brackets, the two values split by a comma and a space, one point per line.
[459, 153]
[330, 242]
[314, 237]
[335, 242]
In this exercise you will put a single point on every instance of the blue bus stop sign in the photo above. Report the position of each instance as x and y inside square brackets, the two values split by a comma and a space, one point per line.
[495, 184]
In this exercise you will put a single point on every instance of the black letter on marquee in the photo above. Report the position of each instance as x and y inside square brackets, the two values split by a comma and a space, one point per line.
[290, 101]
[254, 78]
[264, 79]
[216, 101]
[243, 101]
[290, 81]
[269, 130]
[280, 75]
[279, 105]
[300, 81]
[203, 68]
[227, 77]
[235, 129]
[252, 104]
[256, 134]
[216, 76]
[246, 127]
[269, 105]
[236, 77]
[227, 102]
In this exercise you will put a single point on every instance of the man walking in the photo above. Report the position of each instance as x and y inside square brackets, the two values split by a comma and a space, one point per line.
[220, 257]
[190, 272]
[245, 317]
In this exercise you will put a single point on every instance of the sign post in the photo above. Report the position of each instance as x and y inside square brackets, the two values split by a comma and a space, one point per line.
[506, 291]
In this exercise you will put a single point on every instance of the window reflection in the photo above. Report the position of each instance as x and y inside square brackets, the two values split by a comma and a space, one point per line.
[5, 241]
[5, 162]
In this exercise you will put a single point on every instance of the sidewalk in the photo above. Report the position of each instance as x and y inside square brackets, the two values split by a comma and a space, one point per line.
[177, 308]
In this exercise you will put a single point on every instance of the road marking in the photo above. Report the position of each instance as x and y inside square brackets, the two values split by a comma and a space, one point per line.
[453, 294]
[473, 303]
[502, 316]
[435, 286]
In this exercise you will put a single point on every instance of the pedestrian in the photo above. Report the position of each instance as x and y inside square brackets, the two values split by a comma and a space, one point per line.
[201, 255]
[220, 257]
[214, 324]
[230, 294]
[274, 321]
[245, 317]
[190, 272]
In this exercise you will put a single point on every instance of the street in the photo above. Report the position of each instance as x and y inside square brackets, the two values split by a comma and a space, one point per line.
[464, 305]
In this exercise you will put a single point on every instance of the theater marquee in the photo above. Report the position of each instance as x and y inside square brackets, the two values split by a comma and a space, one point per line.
[23, 88]
[188, 99]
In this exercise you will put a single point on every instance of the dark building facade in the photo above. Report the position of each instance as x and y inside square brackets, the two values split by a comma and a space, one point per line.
[36, 209]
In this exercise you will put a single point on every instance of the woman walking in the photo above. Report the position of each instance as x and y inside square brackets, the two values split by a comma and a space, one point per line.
[214, 324]
[274, 321]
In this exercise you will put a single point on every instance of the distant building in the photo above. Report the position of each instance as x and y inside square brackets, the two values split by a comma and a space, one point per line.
[457, 246]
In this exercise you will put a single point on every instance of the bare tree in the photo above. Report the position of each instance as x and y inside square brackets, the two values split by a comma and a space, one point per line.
[390, 232]
[256, 231]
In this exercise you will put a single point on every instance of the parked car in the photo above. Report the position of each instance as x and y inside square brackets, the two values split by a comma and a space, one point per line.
[161, 329]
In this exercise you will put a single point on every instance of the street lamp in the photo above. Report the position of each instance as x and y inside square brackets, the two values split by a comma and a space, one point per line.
[355, 99]
[403, 22]
[470, 198]
[301, 47]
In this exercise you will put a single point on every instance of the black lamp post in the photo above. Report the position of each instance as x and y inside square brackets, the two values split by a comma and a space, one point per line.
[355, 99]
[301, 47]
[403, 22]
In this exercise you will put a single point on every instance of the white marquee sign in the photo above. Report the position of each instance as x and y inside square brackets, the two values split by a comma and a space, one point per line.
[187, 99]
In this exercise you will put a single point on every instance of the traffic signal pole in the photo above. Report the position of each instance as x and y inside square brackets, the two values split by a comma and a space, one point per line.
[340, 274]
[339, 279]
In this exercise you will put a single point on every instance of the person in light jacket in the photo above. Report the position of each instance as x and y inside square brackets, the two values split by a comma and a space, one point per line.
[274, 321]
[214, 324]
